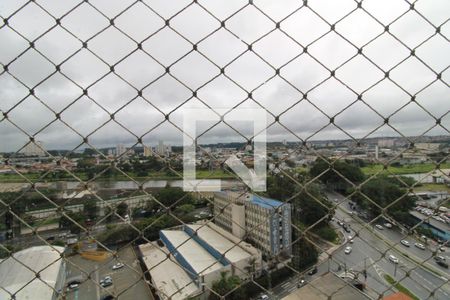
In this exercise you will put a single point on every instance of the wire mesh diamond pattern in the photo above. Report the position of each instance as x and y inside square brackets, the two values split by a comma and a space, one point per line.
[357, 191]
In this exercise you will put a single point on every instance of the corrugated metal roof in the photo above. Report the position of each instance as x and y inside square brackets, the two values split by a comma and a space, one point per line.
[15, 277]
[265, 202]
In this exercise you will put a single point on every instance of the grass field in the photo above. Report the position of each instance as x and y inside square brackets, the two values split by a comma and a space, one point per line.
[409, 169]
[201, 174]
[432, 187]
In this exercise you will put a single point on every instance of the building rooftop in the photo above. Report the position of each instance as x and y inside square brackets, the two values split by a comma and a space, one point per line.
[216, 238]
[15, 277]
[197, 256]
[169, 277]
[265, 202]
[328, 286]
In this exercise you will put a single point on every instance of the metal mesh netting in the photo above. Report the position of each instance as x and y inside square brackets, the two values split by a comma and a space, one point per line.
[357, 101]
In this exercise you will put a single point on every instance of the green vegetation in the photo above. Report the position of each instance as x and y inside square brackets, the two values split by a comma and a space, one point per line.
[338, 175]
[327, 233]
[433, 187]
[382, 191]
[400, 287]
[153, 175]
[227, 285]
[398, 170]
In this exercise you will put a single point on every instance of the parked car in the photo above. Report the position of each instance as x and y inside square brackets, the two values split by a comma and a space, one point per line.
[405, 243]
[388, 225]
[378, 226]
[118, 266]
[393, 259]
[420, 246]
[350, 239]
[313, 271]
[442, 263]
[439, 257]
[348, 250]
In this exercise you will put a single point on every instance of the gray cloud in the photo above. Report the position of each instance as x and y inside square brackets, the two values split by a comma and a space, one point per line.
[300, 72]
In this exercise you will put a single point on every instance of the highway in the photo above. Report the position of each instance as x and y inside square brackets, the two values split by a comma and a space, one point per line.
[370, 250]
[374, 246]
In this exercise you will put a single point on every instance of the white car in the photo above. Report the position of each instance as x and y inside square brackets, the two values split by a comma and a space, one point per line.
[420, 246]
[118, 266]
[405, 243]
[393, 259]
[378, 226]
[73, 286]
[350, 239]
[348, 250]
[388, 225]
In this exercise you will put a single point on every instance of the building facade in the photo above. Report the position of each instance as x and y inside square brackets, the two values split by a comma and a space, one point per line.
[264, 222]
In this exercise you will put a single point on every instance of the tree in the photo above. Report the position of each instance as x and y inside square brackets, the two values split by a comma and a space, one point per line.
[122, 209]
[225, 285]
[337, 175]
[72, 221]
[90, 209]
[184, 209]
[170, 195]
[383, 191]
[304, 254]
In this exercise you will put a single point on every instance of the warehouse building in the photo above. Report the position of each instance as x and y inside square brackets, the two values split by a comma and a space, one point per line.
[264, 222]
[20, 282]
[191, 257]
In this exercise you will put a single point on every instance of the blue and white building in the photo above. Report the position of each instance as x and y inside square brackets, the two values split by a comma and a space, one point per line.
[192, 257]
[264, 222]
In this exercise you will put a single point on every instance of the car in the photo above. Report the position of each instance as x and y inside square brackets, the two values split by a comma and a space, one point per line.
[393, 259]
[264, 297]
[340, 223]
[73, 286]
[378, 226]
[350, 239]
[118, 266]
[442, 249]
[442, 263]
[313, 271]
[107, 279]
[348, 250]
[439, 257]
[106, 283]
[388, 225]
[301, 282]
[405, 243]
[420, 246]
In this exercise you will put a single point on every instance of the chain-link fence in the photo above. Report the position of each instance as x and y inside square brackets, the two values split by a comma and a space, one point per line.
[357, 101]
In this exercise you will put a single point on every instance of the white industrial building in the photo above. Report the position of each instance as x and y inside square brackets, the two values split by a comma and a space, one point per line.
[194, 256]
[20, 282]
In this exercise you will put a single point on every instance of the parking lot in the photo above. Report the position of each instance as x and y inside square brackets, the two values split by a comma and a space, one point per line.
[128, 282]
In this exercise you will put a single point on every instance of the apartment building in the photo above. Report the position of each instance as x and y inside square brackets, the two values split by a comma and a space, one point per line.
[264, 222]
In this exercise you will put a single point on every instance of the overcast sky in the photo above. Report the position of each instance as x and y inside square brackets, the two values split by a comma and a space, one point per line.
[245, 71]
